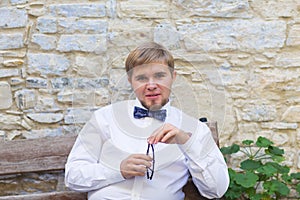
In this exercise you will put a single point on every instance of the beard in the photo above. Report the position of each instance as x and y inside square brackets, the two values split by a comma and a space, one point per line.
[153, 105]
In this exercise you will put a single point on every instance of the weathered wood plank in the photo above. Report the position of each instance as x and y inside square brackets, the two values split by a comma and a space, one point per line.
[65, 195]
[214, 131]
[34, 155]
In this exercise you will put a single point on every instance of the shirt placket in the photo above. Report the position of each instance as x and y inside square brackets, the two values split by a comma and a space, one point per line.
[137, 187]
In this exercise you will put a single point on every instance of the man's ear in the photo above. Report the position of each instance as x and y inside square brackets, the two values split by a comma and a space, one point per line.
[174, 74]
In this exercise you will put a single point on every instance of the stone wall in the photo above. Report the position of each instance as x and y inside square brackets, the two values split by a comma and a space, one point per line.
[238, 63]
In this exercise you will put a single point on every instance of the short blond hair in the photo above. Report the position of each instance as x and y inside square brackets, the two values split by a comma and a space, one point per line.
[146, 53]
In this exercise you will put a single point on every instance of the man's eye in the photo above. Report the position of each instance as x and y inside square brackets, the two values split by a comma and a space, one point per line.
[160, 75]
[141, 78]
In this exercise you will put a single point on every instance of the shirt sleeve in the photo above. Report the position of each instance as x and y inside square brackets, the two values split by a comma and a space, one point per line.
[206, 163]
[84, 172]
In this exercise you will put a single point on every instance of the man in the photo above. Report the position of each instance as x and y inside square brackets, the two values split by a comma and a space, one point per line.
[145, 148]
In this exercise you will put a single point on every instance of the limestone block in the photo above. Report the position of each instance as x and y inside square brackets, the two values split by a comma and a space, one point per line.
[279, 125]
[234, 76]
[213, 8]
[18, 53]
[129, 33]
[10, 122]
[92, 83]
[78, 115]
[79, 83]
[280, 139]
[78, 10]
[33, 134]
[144, 9]
[72, 129]
[85, 43]
[234, 35]
[47, 104]
[288, 60]
[77, 97]
[12, 18]
[52, 64]
[102, 97]
[249, 128]
[90, 66]
[45, 42]
[16, 81]
[13, 63]
[17, 2]
[5, 95]
[292, 114]
[275, 9]
[36, 9]
[33, 82]
[25, 99]
[47, 25]
[12, 135]
[289, 155]
[15, 41]
[47, 118]
[258, 112]
[237, 92]
[73, 25]
[9, 72]
[167, 35]
[62, 82]
[294, 36]
[118, 80]
[25, 125]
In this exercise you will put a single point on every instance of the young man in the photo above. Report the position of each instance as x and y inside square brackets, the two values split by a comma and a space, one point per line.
[145, 148]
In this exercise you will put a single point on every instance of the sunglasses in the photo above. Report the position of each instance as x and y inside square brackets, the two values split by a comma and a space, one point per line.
[150, 170]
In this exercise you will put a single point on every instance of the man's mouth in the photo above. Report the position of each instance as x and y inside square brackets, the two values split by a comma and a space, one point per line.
[152, 95]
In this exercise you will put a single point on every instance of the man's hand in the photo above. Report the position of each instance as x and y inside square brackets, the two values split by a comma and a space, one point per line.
[169, 134]
[135, 165]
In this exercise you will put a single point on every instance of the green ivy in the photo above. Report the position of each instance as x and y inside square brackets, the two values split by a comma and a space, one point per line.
[261, 175]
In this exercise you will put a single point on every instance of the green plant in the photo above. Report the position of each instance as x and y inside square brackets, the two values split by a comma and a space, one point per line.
[261, 174]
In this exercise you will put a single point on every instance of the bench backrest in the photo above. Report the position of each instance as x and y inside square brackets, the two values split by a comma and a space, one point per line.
[49, 154]
[44, 154]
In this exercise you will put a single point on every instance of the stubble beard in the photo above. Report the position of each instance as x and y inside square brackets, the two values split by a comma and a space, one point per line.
[154, 106]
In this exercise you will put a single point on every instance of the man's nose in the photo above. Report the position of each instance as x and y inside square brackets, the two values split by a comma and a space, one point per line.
[151, 85]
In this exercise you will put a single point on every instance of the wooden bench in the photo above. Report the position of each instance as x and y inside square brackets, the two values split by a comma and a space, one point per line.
[50, 154]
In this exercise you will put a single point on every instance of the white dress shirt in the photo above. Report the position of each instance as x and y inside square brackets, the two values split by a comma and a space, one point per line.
[112, 134]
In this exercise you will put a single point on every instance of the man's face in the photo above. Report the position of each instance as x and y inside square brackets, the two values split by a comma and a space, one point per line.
[152, 84]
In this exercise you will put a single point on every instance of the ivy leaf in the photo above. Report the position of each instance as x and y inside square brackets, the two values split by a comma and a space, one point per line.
[276, 158]
[275, 186]
[298, 188]
[281, 169]
[248, 142]
[287, 178]
[256, 197]
[268, 169]
[275, 150]
[263, 142]
[296, 175]
[250, 164]
[234, 194]
[231, 149]
[246, 180]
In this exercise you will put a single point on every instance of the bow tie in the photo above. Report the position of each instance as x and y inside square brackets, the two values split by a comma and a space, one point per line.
[156, 114]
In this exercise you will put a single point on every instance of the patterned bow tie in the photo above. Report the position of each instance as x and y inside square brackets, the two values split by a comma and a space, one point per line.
[157, 114]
